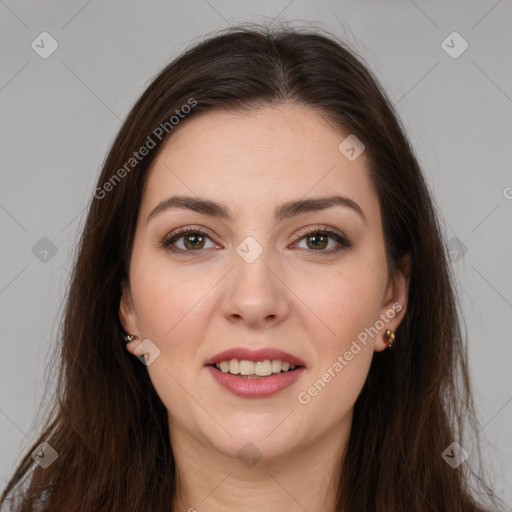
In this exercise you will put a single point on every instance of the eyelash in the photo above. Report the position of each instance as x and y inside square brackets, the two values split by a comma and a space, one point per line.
[171, 238]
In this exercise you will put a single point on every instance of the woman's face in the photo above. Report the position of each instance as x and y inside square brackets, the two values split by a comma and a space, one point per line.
[251, 280]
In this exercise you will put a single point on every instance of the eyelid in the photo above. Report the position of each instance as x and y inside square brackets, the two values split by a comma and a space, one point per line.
[318, 227]
[189, 228]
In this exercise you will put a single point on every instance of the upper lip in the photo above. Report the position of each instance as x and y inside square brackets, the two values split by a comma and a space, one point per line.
[255, 355]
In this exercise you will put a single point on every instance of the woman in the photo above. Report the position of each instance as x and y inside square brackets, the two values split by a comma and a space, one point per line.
[263, 241]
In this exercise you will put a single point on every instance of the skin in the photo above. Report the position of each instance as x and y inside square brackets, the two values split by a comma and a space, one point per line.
[292, 297]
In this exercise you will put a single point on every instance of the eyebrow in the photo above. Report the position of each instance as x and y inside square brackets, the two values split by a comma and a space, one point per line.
[285, 211]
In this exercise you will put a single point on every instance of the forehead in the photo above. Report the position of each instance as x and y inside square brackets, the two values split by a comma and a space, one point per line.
[257, 158]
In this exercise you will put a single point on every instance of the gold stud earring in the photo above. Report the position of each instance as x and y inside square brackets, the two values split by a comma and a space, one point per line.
[129, 337]
[389, 337]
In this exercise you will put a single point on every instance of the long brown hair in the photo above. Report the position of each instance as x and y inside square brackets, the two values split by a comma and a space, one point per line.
[108, 425]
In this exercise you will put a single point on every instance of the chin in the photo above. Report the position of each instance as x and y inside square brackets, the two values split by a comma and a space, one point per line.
[262, 436]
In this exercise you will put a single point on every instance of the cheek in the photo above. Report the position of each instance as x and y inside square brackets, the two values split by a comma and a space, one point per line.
[166, 299]
[331, 394]
[171, 313]
[346, 300]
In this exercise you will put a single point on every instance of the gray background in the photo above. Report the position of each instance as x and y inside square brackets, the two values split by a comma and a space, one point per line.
[60, 114]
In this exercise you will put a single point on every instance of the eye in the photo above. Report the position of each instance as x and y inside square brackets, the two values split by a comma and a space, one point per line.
[317, 240]
[192, 240]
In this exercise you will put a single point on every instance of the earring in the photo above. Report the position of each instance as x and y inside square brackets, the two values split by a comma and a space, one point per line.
[126, 338]
[389, 337]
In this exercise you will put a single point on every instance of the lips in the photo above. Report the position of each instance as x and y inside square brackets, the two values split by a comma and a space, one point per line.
[252, 386]
[255, 355]
[258, 387]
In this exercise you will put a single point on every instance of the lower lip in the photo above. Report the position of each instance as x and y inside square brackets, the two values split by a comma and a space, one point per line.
[260, 387]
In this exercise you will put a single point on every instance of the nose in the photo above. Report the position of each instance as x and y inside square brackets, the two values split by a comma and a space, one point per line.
[255, 295]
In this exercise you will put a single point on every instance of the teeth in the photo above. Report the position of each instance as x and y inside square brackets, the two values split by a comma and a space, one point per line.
[259, 368]
[246, 367]
[234, 366]
[263, 368]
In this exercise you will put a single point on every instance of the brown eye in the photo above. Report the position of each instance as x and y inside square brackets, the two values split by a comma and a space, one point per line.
[318, 240]
[186, 240]
[194, 241]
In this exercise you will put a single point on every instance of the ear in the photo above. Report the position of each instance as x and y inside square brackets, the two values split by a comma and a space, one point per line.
[395, 300]
[128, 316]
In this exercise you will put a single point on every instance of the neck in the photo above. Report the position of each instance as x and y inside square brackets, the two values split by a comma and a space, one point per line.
[304, 479]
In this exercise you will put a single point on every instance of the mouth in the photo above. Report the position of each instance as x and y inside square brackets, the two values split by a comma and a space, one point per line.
[247, 369]
[250, 373]
[255, 374]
